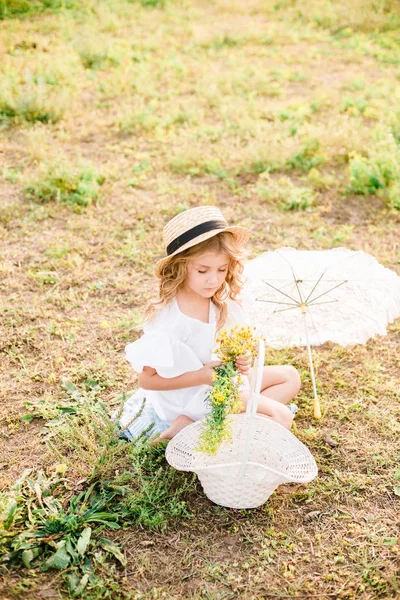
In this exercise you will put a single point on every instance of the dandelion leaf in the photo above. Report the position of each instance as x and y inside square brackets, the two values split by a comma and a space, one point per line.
[71, 389]
[59, 560]
[84, 540]
[113, 549]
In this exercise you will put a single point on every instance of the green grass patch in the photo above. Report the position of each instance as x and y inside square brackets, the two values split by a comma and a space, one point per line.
[365, 176]
[27, 8]
[43, 526]
[378, 173]
[307, 157]
[152, 3]
[197, 166]
[361, 16]
[98, 53]
[32, 98]
[286, 194]
[75, 188]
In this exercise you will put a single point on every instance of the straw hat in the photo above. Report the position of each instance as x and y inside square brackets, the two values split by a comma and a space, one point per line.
[194, 226]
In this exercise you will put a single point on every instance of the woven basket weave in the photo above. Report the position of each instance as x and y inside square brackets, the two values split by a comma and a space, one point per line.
[246, 471]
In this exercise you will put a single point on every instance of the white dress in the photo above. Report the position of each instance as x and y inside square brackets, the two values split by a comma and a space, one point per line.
[174, 343]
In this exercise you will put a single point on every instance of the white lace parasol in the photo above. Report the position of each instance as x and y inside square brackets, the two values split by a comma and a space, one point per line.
[305, 298]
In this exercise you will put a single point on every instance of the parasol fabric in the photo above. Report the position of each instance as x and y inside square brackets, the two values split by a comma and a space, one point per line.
[338, 295]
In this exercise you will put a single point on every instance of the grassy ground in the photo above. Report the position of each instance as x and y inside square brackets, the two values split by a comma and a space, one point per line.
[115, 116]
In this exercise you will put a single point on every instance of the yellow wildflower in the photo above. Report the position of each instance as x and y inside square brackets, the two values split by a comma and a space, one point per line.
[224, 395]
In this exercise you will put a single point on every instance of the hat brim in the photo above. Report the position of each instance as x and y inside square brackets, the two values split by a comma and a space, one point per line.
[242, 235]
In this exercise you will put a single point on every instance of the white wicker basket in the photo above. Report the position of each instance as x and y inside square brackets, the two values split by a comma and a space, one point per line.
[246, 471]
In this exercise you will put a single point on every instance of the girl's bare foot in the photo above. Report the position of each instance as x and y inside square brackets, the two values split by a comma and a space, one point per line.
[179, 423]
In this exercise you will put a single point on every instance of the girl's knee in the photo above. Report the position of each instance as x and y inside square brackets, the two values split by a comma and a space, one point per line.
[293, 378]
[244, 396]
[273, 410]
[284, 417]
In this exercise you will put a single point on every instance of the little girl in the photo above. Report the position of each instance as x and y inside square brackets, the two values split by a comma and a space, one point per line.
[200, 281]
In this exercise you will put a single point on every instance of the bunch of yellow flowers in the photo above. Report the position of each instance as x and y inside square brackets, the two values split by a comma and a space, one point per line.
[224, 395]
[236, 342]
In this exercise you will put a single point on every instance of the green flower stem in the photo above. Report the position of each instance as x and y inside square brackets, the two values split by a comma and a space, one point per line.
[216, 427]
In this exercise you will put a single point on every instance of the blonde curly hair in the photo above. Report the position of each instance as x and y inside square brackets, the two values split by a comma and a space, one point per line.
[172, 275]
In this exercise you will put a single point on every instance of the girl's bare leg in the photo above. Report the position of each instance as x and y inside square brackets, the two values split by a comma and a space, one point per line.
[280, 383]
[270, 408]
[278, 386]
[179, 423]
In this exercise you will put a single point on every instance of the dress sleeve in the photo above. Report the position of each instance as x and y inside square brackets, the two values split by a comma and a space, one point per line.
[161, 348]
[167, 356]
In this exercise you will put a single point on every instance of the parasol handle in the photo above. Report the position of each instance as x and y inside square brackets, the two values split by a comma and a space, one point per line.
[252, 402]
[317, 406]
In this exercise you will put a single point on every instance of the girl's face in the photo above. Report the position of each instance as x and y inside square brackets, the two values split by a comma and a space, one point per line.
[206, 273]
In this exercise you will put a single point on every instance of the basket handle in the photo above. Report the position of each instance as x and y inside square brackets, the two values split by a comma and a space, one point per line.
[255, 383]
[252, 402]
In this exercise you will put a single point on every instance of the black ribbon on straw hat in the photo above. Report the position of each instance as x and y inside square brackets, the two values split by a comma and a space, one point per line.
[193, 226]
[194, 232]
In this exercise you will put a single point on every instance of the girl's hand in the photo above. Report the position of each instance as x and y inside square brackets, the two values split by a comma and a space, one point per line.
[207, 372]
[243, 364]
